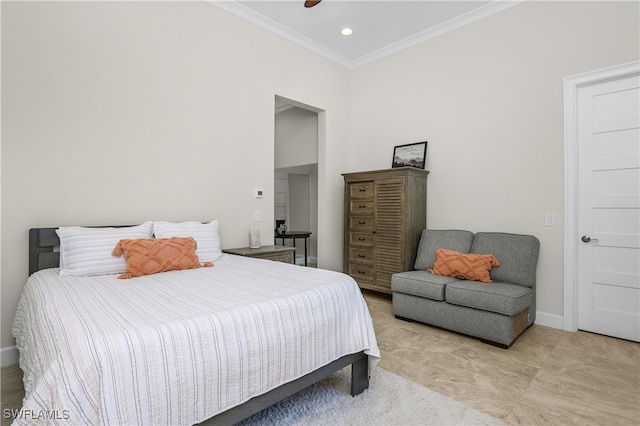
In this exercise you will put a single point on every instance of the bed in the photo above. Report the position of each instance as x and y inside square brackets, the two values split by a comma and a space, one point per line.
[180, 347]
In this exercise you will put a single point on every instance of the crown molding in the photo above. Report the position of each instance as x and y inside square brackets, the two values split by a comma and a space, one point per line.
[243, 12]
[437, 31]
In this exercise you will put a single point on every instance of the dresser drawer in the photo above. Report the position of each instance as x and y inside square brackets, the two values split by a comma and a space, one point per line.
[362, 223]
[361, 190]
[361, 256]
[360, 239]
[359, 207]
[285, 257]
[277, 253]
[361, 272]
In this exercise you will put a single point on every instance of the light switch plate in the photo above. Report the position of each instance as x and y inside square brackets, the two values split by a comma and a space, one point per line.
[549, 219]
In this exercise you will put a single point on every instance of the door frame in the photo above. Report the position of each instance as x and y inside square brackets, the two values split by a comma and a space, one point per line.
[317, 217]
[572, 85]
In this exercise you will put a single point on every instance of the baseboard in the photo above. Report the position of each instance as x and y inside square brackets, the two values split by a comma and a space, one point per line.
[550, 320]
[9, 356]
[310, 260]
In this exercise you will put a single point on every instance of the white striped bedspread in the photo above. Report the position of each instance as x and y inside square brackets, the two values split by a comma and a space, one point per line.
[181, 346]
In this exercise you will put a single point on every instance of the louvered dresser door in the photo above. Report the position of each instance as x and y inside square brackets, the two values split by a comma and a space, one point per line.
[385, 213]
[389, 227]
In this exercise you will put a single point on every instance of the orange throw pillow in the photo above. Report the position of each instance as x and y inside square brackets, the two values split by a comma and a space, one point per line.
[151, 256]
[474, 267]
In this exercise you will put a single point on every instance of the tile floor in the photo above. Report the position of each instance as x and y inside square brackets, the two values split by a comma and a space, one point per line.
[547, 376]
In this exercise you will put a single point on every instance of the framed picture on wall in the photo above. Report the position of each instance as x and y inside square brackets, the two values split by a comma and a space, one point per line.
[413, 154]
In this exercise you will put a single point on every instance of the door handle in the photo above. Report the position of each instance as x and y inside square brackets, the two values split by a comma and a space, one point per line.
[586, 239]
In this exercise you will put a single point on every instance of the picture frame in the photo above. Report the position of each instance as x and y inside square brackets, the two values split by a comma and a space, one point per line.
[412, 154]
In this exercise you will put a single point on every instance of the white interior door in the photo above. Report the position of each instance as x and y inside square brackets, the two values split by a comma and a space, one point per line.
[609, 207]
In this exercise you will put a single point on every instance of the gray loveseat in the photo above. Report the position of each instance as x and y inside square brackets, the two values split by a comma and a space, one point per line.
[496, 312]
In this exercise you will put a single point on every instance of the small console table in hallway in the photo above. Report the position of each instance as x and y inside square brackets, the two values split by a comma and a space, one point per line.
[294, 235]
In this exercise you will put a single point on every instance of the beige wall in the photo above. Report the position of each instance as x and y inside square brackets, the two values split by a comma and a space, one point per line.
[296, 138]
[489, 99]
[116, 113]
[123, 112]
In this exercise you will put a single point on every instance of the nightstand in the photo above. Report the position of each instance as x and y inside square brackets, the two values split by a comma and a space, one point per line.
[277, 253]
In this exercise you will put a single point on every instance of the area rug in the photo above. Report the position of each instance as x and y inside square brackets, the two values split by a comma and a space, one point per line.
[390, 400]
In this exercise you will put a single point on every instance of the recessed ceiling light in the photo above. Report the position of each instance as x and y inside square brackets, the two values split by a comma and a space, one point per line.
[346, 31]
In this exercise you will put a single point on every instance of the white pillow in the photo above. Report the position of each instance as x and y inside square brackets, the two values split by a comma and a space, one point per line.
[205, 234]
[87, 251]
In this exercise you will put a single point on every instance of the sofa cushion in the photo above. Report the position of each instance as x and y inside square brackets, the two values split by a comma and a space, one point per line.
[431, 240]
[421, 284]
[502, 298]
[518, 256]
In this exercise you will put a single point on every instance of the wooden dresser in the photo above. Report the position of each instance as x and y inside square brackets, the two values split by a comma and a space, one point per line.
[385, 212]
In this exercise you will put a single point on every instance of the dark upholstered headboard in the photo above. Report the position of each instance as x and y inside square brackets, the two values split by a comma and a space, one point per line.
[44, 247]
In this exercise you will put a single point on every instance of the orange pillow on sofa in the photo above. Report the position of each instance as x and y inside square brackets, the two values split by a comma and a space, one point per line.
[151, 256]
[474, 267]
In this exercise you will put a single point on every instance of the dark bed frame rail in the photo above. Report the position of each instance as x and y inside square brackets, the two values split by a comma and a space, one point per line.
[359, 382]
[44, 253]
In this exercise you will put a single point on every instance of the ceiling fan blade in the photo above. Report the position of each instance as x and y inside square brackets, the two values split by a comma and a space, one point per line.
[310, 3]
